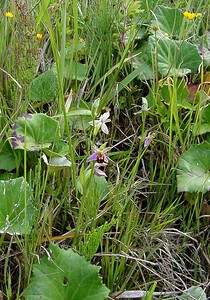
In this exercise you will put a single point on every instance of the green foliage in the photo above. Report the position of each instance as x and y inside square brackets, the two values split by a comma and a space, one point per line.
[142, 63]
[34, 132]
[173, 57]
[134, 59]
[7, 158]
[169, 21]
[203, 126]
[92, 240]
[176, 58]
[74, 70]
[205, 41]
[66, 275]
[56, 163]
[44, 88]
[181, 89]
[17, 209]
[195, 292]
[193, 169]
[60, 148]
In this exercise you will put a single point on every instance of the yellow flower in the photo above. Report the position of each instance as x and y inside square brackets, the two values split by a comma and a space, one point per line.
[189, 15]
[199, 16]
[8, 14]
[39, 36]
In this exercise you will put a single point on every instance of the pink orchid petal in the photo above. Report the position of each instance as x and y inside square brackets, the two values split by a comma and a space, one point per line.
[147, 140]
[93, 156]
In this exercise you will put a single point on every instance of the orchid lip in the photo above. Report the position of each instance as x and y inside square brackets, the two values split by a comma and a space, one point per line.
[98, 171]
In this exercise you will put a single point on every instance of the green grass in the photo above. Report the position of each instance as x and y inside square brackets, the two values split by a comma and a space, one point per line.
[134, 224]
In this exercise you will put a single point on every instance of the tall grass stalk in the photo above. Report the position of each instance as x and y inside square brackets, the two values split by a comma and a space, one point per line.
[59, 61]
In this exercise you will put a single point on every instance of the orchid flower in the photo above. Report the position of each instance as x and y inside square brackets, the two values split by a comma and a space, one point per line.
[147, 140]
[101, 123]
[99, 156]
[101, 160]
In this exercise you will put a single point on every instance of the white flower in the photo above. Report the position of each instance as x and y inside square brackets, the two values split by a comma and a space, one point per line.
[101, 123]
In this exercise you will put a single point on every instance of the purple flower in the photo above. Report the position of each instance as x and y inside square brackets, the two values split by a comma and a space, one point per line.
[99, 156]
[147, 140]
[101, 160]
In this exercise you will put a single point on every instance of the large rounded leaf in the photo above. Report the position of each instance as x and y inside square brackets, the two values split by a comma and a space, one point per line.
[194, 169]
[195, 292]
[74, 70]
[56, 163]
[177, 57]
[169, 20]
[63, 274]
[35, 132]
[7, 158]
[16, 209]
[44, 88]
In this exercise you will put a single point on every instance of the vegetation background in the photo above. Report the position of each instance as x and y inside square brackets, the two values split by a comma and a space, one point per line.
[123, 103]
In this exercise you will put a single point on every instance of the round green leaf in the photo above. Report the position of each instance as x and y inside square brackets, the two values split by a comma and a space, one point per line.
[74, 70]
[177, 57]
[195, 292]
[35, 132]
[7, 158]
[141, 62]
[44, 88]
[169, 20]
[15, 217]
[194, 169]
[63, 274]
[56, 163]
[59, 148]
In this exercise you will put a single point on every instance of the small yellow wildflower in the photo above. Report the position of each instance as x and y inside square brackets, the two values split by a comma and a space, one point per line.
[199, 16]
[189, 15]
[8, 14]
[39, 36]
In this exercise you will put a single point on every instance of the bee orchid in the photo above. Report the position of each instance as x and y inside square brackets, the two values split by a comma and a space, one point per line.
[99, 156]
[101, 160]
